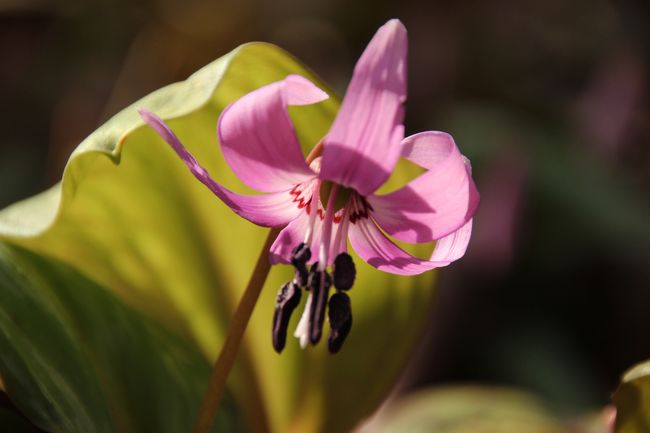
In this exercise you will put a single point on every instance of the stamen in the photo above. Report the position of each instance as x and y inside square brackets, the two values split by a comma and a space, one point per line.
[299, 258]
[340, 316]
[326, 235]
[301, 276]
[319, 284]
[344, 272]
[341, 238]
[345, 227]
[312, 209]
[287, 301]
[301, 254]
[312, 279]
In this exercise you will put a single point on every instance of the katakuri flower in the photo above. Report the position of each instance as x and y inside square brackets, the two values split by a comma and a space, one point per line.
[358, 154]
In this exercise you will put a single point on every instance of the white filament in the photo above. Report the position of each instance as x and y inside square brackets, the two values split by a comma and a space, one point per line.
[326, 236]
[313, 211]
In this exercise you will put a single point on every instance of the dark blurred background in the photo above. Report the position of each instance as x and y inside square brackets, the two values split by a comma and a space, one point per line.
[548, 99]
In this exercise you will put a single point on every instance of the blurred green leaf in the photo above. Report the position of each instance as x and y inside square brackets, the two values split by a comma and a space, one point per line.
[632, 400]
[601, 198]
[466, 410]
[75, 359]
[129, 215]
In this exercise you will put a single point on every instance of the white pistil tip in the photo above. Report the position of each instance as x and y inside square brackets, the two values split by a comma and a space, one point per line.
[302, 330]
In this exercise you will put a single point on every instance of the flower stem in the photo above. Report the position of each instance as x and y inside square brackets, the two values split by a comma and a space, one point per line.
[226, 359]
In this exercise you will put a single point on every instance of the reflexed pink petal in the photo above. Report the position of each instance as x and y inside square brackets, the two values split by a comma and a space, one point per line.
[363, 145]
[453, 246]
[435, 203]
[258, 139]
[269, 210]
[379, 251]
[274, 209]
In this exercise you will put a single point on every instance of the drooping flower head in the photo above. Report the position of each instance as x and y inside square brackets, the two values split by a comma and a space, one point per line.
[331, 199]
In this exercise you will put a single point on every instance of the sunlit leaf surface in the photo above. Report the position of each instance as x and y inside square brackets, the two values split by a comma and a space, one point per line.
[129, 215]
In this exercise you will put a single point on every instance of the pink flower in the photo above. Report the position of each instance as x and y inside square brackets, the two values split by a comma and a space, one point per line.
[359, 153]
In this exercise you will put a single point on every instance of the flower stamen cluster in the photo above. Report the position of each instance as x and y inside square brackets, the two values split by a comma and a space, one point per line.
[318, 281]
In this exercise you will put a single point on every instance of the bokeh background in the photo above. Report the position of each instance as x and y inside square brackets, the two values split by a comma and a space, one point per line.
[548, 99]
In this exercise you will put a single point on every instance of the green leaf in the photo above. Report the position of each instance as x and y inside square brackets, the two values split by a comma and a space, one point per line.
[129, 215]
[593, 194]
[75, 359]
[466, 410]
[632, 400]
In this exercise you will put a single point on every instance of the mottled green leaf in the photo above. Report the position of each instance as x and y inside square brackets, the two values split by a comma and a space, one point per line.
[129, 215]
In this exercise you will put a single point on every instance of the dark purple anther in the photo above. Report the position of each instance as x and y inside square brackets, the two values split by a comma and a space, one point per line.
[300, 254]
[313, 277]
[319, 282]
[299, 258]
[340, 315]
[302, 276]
[344, 272]
[287, 301]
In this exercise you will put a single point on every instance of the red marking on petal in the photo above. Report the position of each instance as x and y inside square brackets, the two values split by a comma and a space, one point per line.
[297, 193]
[335, 219]
[361, 210]
[304, 203]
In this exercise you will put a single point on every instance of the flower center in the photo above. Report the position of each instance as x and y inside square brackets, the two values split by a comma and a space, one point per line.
[342, 197]
[327, 236]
